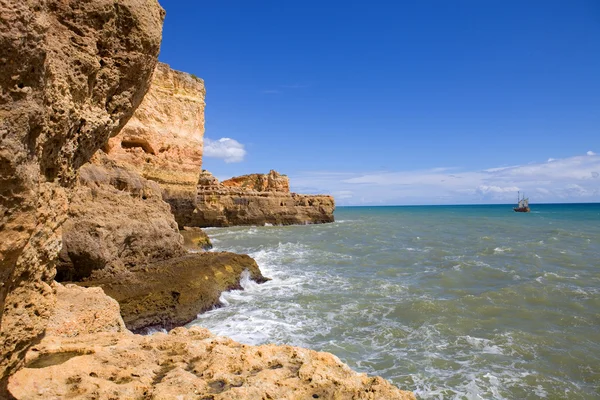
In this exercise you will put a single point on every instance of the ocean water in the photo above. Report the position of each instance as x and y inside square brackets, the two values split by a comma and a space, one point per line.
[452, 302]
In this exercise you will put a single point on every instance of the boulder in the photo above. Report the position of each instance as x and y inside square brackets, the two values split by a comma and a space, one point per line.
[82, 311]
[71, 75]
[271, 182]
[195, 239]
[117, 220]
[173, 292]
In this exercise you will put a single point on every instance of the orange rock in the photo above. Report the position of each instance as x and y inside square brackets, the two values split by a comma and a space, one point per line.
[255, 200]
[188, 364]
[71, 75]
[163, 140]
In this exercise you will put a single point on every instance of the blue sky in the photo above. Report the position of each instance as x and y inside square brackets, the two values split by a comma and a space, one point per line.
[407, 102]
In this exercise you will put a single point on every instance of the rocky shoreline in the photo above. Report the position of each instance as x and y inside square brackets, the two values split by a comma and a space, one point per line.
[104, 217]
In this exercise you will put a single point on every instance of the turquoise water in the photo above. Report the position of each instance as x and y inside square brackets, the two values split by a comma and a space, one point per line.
[464, 302]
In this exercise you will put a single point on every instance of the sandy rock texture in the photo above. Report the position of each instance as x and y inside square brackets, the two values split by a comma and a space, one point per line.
[255, 199]
[187, 364]
[81, 311]
[117, 220]
[71, 75]
[173, 292]
[164, 140]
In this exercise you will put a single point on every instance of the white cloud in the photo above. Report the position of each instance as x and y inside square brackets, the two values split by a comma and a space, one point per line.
[229, 150]
[485, 189]
[343, 194]
[566, 179]
[591, 153]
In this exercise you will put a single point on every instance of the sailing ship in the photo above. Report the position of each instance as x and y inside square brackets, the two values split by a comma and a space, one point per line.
[522, 203]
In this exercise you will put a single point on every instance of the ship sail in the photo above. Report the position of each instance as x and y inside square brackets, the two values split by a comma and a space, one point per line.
[522, 204]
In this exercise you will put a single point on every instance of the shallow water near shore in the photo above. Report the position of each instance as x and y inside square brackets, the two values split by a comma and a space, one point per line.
[464, 302]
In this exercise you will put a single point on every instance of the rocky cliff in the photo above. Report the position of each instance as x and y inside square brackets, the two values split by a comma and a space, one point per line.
[71, 75]
[256, 199]
[163, 141]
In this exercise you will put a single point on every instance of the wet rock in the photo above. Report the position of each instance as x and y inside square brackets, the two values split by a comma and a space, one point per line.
[173, 292]
[195, 239]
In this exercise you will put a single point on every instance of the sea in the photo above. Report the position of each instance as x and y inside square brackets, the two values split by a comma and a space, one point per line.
[451, 302]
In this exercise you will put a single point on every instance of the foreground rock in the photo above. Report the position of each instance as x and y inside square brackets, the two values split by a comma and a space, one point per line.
[89, 357]
[81, 311]
[117, 220]
[173, 292]
[256, 199]
[187, 364]
[71, 75]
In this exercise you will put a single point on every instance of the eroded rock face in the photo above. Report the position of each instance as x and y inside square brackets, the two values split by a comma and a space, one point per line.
[255, 200]
[173, 292]
[81, 311]
[188, 364]
[164, 139]
[271, 182]
[71, 75]
[117, 220]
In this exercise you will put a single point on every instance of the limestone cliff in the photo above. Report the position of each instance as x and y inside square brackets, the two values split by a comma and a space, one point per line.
[163, 141]
[71, 75]
[255, 199]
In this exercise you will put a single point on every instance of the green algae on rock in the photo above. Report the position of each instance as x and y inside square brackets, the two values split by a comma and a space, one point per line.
[195, 239]
[173, 292]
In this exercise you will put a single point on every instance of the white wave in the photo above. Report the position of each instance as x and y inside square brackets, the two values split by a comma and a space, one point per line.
[502, 249]
[485, 345]
[151, 330]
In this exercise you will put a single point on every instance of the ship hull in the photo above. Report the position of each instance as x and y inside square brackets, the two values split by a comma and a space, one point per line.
[521, 209]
